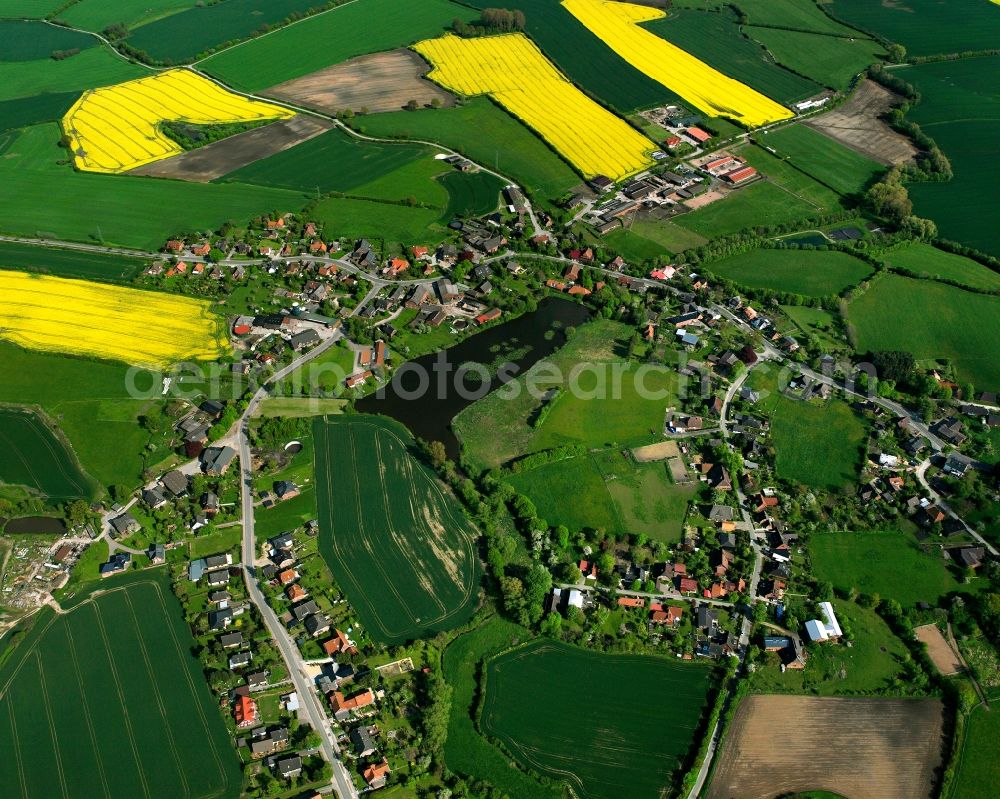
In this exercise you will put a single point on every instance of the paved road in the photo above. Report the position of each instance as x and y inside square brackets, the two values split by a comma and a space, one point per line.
[921, 474]
[308, 699]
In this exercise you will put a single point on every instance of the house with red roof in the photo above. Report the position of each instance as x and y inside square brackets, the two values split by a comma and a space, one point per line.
[343, 706]
[339, 643]
[631, 602]
[698, 135]
[688, 585]
[376, 774]
[245, 711]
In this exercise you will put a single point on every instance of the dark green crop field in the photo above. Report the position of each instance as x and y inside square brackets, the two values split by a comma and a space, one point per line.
[960, 110]
[809, 272]
[925, 27]
[931, 320]
[107, 700]
[716, 38]
[542, 703]
[399, 546]
[470, 194]
[69, 263]
[180, 37]
[24, 111]
[32, 455]
[27, 41]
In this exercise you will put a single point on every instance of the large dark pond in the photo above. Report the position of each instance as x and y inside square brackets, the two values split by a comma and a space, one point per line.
[426, 393]
[35, 524]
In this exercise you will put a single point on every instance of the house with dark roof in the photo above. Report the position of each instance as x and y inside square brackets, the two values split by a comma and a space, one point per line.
[175, 482]
[117, 563]
[123, 525]
[216, 460]
[288, 767]
[362, 742]
[969, 557]
[153, 497]
[230, 640]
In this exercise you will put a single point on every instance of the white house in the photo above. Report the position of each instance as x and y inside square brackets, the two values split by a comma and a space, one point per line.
[826, 629]
[889, 461]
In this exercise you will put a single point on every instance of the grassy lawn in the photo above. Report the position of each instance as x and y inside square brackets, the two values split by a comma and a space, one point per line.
[812, 273]
[828, 60]
[648, 239]
[300, 406]
[796, 183]
[532, 704]
[925, 260]
[332, 38]
[470, 193]
[890, 564]
[465, 750]
[86, 569]
[979, 768]
[45, 198]
[813, 321]
[873, 662]
[223, 540]
[933, 321]
[816, 443]
[488, 135]
[324, 373]
[760, 205]
[94, 67]
[825, 159]
[390, 223]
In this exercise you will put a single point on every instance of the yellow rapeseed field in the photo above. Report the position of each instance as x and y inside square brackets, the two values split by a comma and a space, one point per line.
[512, 70]
[145, 328]
[617, 25]
[116, 128]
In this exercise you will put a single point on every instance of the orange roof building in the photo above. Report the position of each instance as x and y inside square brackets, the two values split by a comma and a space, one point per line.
[288, 576]
[631, 602]
[343, 706]
[245, 711]
[376, 773]
[339, 643]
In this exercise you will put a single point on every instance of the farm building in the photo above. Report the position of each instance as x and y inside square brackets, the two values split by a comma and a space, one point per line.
[825, 629]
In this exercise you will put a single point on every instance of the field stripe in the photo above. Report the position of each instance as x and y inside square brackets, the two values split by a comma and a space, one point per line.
[16, 746]
[52, 725]
[86, 710]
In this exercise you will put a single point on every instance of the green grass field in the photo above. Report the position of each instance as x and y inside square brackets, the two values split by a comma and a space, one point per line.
[33, 456]
[812, 273]
[824, 159]
[872, 663]
[470, 193]
[978, 766]
[648, 239]
[538, 703]
[96, 15]
[925, 27]
[107, 700]
[815, 322]
[761, 205]
[890, 564]
[466, 751]
[28, 9]
[332, 38]
[179, 38]
[95, 66]
[398, 545]
[796, 183]
[30, 41]
[69, 263]
[960, 110]
[928, 261]
[609, 492]
[44, 197]
[380, 221]
[97, 410]
[931, 320]
[485, 133]
[715, 37]
[829, 60]
[799, 14]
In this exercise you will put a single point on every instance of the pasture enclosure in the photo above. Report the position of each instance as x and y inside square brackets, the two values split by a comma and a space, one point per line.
[69, 263]
[535, 703]
[514, 73]
[932, 320]
[844, 170]
[34, 456]
[397, 543]
[925, 27]
[470, 194]
[107, 700]
[828, 60]
[890, 564]
[812, 273]
[862, 748]
[960, 110]
[699, 84]
[117, 128]
[925, 260]
[978, 766]
[331, 38]
[803, 15]
[104, 321]
[485, 133]
[761, 204]
[370, 83]
[715, 37]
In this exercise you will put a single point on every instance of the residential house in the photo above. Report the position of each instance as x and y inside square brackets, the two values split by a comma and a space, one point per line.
[362, 742]
[231, 640]
[825, 629]
[124, 524]
[245, 711]
[268, 744]
[217, 460]
[117, 563]
[317, 624]
[288, 768]
[376, 774]
[344, 707]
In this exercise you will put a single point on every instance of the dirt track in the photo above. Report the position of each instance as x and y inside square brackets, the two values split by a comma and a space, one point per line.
[379, 82]
[857, 748]
[858, 125]
[222, 157]
[938, 650]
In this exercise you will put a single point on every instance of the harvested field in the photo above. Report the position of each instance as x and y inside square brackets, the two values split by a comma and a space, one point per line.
[222, 157]
[380, 82]
[656, 452]
[941, 653]
[861, 748]
[858, 125]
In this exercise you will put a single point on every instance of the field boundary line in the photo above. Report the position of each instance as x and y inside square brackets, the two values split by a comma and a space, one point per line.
[156, 692]
[52, 726]
[27, 654]
[121, 696]
[86, 711]
[224, 779]
[17, 749]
